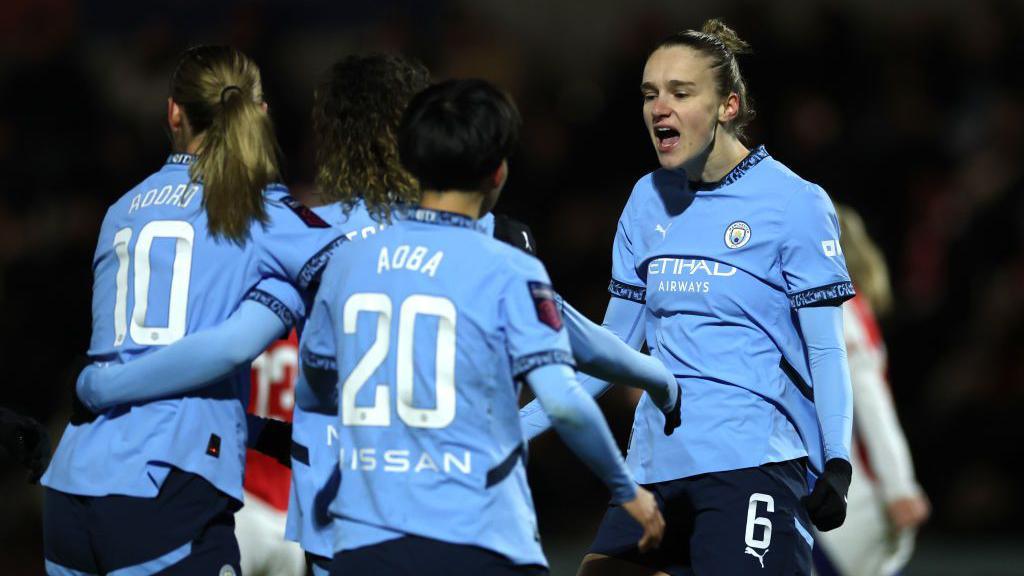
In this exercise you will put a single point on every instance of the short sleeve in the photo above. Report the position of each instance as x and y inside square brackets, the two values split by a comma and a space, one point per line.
[812, 258]
[536, 335]
[626, 283]
[297, 243]
[318, 348]
[281, 298]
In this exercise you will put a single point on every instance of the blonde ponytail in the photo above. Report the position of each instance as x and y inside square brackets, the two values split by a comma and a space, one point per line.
[238, 154]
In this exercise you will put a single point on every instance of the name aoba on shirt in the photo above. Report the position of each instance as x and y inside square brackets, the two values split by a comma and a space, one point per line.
[414, 259]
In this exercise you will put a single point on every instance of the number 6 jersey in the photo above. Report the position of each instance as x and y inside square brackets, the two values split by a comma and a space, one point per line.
[159, 275]
[430, 324]
[721, 271]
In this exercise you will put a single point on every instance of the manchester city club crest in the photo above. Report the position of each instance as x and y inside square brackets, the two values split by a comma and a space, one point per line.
[737, 234]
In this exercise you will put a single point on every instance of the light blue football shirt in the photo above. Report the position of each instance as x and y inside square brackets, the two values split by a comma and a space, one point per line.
[721, 270]
[315, 419]
[314, 427]
[429, 324]
[159, 275]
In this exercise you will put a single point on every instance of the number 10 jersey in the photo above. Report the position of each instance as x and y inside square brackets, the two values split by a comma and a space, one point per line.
[158, 275]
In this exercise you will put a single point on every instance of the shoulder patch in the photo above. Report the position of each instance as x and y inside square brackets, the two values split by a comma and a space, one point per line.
[544, 301]
[304, 213]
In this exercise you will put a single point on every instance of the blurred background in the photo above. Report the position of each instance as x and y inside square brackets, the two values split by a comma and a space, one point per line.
[909, 111]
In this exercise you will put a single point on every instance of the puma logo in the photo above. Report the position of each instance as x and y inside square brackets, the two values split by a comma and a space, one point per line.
[664, 231]
[760, 557]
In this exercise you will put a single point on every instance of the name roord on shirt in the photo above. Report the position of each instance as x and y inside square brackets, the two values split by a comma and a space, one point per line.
[180, 196]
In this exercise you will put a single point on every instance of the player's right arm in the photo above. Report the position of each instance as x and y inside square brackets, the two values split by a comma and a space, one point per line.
[579, 423]
[197, 359]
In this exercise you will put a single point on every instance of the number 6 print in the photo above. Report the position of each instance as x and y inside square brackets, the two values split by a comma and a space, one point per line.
[753, 520]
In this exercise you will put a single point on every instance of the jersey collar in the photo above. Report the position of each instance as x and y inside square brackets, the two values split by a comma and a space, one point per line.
[752, 159]
[180, 159]
[438, 217]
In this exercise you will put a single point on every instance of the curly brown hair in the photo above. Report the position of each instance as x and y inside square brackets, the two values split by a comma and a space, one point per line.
[356, 111]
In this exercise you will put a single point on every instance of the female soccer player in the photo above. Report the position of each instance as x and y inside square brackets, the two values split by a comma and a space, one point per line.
[735, 263]
[152, 487]
[356, 112]
[886, 504]
[355, 116]
[430, 325]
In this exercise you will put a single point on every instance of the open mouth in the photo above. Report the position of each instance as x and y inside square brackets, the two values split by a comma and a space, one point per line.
[667, 137]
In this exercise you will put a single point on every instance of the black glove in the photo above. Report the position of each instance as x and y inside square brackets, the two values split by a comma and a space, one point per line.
[514, 232]
[673, 418]
[826, 505]
[24, 441]
[271, 437]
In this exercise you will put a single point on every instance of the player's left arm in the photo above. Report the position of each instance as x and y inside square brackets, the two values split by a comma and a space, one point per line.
[601, 354]
[318, 356]
[817, 284]
[597, 351]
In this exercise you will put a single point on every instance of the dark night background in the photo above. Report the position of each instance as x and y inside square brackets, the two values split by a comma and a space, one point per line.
[911, 112]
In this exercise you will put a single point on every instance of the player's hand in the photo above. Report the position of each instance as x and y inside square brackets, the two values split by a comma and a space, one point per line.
[673, 418]
[644, 509]
[514, 232]
[25, 441]
[909, 512]
[826, 505]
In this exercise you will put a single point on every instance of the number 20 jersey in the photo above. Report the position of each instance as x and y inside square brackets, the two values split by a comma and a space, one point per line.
[159, 275]
[431, 323]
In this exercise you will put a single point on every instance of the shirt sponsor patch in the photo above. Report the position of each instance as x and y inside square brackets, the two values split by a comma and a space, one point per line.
[544, 301]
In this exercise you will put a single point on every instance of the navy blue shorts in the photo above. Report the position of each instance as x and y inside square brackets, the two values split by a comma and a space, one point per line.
[189, 528]
[747, 521]
[415, 556]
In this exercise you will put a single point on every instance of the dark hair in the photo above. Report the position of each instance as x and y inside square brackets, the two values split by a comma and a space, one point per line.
[356, 111]
[219, 89]
[721, 44]
[456, 133]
